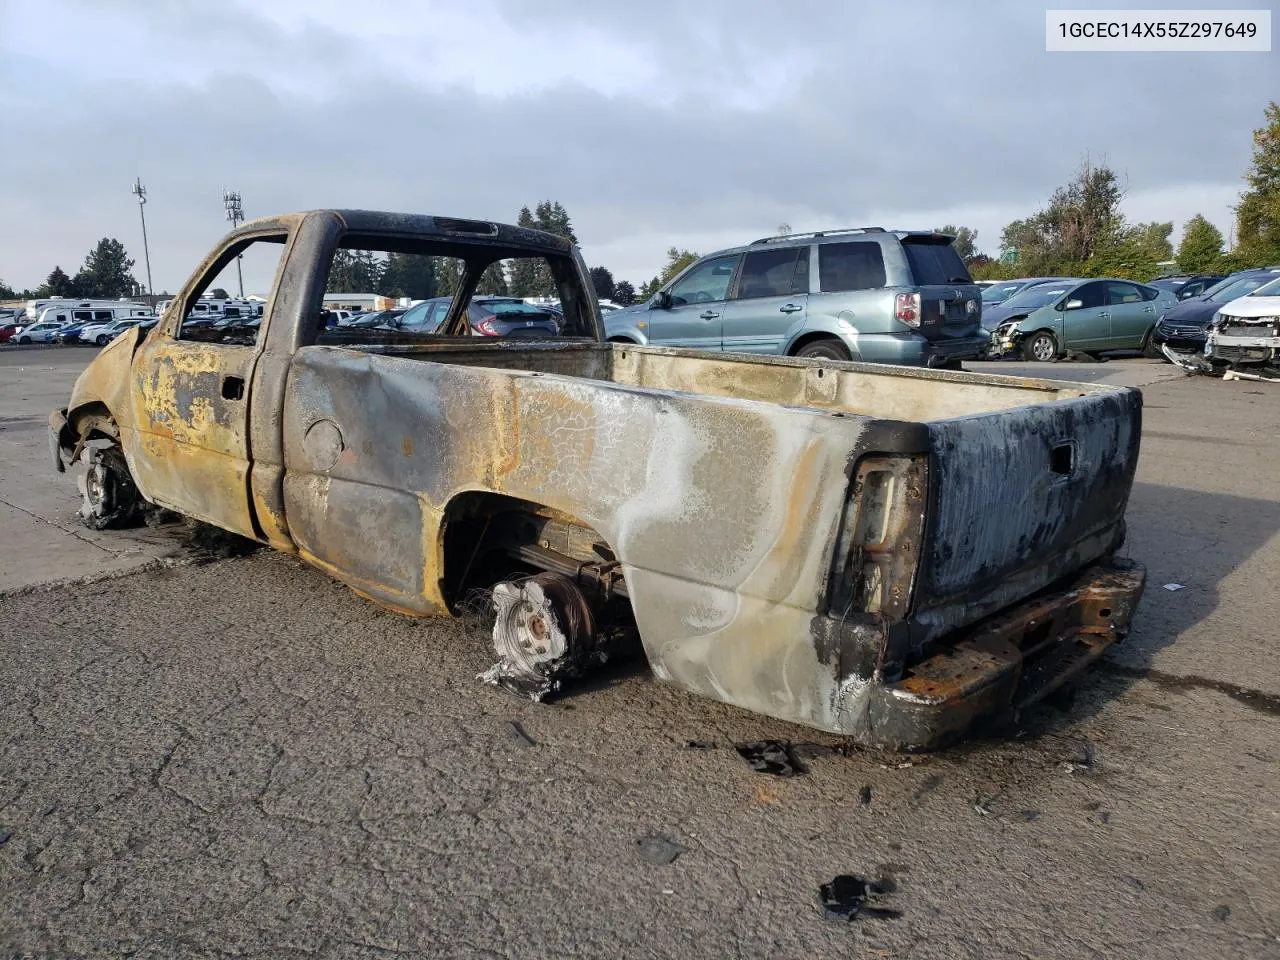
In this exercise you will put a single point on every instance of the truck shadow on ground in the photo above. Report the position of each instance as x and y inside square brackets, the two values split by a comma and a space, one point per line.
[1192, 541]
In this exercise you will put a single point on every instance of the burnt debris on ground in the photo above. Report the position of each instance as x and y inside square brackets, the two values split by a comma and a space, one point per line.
[849, 897]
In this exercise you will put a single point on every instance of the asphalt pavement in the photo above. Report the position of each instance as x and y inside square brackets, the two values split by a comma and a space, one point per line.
[241, 758]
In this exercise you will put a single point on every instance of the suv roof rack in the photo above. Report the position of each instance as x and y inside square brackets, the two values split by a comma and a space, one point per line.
[817, 233]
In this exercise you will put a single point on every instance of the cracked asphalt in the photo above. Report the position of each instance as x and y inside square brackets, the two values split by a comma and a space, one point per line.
[241, 758]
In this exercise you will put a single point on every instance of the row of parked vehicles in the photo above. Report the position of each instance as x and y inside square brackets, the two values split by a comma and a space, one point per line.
[1043, 318]
[870, 294]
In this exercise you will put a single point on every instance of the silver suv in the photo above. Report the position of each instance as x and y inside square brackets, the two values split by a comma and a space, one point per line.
[881, 296]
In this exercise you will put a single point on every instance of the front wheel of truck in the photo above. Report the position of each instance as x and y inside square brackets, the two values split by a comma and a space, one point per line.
[1040, 346]
[111, 498]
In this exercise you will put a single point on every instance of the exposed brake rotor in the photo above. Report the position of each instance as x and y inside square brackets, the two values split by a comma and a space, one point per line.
[543, 632]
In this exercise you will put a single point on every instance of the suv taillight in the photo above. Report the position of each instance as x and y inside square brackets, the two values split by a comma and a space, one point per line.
[906, 307]
[486, 326]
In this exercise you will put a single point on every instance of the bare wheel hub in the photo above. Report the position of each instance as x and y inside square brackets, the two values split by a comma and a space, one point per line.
[543, 626]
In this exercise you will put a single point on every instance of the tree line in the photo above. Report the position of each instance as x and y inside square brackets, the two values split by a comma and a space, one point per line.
[105, 275]
[1081, 231]
[420, 277]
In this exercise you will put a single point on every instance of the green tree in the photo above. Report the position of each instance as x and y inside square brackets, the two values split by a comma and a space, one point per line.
[1201, 246]
[965, 243]
[624, 294]
[523, 278]
[448, 276]
[106, 272]
[7, 292]
[1258, 213]
[219, 294]
[1082, 218]
[57, 284]
[1135, 252]
[493, 281]
[411, 275]
[354, 271]
[602, 280]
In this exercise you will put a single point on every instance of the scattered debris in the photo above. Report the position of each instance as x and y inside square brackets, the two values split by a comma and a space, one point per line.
[5, 836]
[1240, 375]
[658, 850]
[864, 795]
[1221, 912]
[1134, 882]
[774, 757]
[516, 734]
[848, 897]
[1173, 587]
[1093, 805]
[1029, 816]
[1085, 761]
[208, 543]
[982, 804]
[699, 745]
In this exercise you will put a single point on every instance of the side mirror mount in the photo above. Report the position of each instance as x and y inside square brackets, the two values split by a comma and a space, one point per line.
[662, 301]
[1074, 304]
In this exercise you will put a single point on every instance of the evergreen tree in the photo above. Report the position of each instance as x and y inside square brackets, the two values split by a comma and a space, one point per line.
[523, 278]
[493, 281]
[1201, 246]
[58, 284]
[106, 272]
[602, 280]
[624, 294]
[409, 275]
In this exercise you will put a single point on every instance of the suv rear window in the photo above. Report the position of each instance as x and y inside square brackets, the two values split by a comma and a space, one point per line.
[850, 266]
[932, 262]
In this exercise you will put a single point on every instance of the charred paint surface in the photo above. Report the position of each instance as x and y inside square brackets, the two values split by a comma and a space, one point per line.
[718, 482]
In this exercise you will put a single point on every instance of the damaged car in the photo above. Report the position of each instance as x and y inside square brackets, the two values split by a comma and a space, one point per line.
[809, 539]
[1243, 337]
[1090, 317]
[1185, 327]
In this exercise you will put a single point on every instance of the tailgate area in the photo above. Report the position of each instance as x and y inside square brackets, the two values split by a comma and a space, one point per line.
[1022, 499]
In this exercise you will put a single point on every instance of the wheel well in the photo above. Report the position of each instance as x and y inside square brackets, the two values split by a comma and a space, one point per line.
[622, 340]
[808, 338]
[93, 419]
[487, 537]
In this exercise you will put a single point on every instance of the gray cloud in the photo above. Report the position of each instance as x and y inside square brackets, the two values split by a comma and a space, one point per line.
[809, 113]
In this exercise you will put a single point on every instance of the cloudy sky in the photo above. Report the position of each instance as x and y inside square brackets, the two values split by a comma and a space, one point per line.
[696, 124]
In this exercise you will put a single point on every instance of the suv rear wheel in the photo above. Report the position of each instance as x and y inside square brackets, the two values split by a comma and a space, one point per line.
[1040, 346]
[826, 349]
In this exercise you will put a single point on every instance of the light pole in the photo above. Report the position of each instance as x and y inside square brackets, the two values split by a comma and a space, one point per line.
[235, 213]
[140, 192]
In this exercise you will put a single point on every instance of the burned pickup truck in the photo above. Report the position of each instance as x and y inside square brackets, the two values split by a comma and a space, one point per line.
[875, 551]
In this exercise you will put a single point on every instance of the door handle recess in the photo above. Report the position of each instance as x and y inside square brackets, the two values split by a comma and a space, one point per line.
[789, 308]
[708, 315]
[232, 388]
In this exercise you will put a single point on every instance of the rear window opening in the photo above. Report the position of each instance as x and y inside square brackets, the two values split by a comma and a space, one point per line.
[934, 261]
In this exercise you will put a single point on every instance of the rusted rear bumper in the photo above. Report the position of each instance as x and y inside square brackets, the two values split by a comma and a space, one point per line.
[1010, 660]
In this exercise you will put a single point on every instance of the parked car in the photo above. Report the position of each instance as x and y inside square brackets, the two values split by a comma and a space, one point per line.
[867, 294]
[489, 317]
[101, 334]
[1082, 316]
[71, 332]
[873, 552]
[1184, 326]
[42, 332]
[998, 291]
[1018, 304]
[1246, 331]
[1185, 285]
[377, 318]
[7, 330]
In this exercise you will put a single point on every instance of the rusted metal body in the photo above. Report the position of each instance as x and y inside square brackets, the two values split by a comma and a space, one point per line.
[801, 539]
